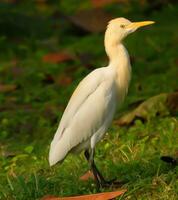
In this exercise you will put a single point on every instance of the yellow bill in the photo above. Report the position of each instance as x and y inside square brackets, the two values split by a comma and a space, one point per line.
[140, 24]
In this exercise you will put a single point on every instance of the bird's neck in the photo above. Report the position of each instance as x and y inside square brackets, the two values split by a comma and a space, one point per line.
[120, 62]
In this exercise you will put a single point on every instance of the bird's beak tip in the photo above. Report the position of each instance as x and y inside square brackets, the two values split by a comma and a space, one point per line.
[151, 22]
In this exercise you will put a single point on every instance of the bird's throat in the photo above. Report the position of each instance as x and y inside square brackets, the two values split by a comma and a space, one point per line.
[120, 62]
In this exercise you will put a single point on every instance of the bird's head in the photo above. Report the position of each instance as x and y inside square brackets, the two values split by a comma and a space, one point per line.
[119, 28]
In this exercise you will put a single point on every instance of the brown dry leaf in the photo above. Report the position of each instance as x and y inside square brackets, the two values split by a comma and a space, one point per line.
[94, 20]
[57, 57]
[49, 197]
[172, 102]
[162, 105]
[98, 196]
[150, 108]
[88, 175]
[7, 88]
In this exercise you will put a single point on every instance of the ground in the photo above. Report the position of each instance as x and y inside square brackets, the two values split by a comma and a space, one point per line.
[34, 93]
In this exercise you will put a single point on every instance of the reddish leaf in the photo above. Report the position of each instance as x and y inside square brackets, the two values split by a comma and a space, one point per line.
[87, 175]
[94, 20]
[98, 196]
[56, 57]
[49, 197]
[7, 88]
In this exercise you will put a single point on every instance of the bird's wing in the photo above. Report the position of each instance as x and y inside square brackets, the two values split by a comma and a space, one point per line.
[85, 88]
[84, 114]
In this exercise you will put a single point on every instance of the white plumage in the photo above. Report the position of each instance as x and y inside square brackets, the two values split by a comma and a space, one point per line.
[91, 108]
[88, 114]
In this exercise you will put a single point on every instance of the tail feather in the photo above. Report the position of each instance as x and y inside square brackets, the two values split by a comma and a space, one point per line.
[58, 151]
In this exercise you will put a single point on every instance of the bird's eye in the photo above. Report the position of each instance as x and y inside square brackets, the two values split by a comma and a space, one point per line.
[122, 26]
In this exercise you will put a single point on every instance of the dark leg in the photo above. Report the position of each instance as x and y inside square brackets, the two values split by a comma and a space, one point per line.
[93, 168]
[101, 182]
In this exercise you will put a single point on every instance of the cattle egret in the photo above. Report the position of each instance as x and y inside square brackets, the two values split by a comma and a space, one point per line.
[91, 108]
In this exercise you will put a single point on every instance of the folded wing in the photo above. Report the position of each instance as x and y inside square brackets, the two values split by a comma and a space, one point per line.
[87, 110]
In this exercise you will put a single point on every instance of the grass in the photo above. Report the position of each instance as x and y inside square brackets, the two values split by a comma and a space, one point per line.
[30, 114]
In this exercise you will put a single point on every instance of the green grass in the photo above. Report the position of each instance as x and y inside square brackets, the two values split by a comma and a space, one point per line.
[30, 114]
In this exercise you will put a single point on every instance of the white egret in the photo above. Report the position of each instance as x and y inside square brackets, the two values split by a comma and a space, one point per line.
[91, 108]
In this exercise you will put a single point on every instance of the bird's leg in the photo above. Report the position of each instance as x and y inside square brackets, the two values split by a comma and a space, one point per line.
[90, 159]
[101, 182]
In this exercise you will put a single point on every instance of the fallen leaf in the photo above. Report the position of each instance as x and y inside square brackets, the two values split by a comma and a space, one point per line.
[93, 20]
[161, 104]
[49, 197]
[7, 88]
[98, 196]
[172, 102]
[57, 57]
[88, 175]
